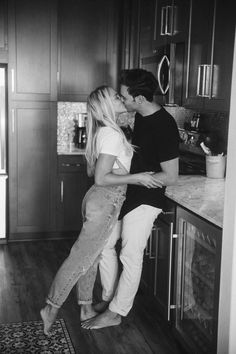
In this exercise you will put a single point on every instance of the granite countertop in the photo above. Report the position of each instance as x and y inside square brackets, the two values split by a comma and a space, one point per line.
[65, 150]
[201, 195]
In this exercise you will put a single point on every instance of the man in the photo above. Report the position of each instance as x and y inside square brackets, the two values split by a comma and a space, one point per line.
[156, 140]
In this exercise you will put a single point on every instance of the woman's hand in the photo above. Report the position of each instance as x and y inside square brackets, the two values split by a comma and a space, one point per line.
[148, 179]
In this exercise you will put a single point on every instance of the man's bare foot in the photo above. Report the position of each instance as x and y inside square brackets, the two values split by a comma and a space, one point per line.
[101, 306]
[86, 312]
[48, 315]
[105, 319]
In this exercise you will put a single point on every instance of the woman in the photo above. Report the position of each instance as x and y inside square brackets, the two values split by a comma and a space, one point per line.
[108, 155]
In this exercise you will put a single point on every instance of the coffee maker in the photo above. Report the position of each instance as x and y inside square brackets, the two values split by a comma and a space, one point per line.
[80, 137]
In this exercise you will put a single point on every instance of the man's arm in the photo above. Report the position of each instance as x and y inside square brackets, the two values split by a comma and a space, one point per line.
[170, 172]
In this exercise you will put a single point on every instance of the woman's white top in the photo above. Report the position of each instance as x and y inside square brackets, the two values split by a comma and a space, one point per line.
[110, 142]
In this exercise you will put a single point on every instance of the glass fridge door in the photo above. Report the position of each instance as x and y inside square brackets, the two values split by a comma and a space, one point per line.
[197, 282]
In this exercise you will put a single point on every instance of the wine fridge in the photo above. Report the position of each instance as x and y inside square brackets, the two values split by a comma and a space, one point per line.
[198, 253]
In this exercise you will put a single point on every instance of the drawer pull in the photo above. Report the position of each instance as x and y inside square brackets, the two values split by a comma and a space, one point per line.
[71, 164]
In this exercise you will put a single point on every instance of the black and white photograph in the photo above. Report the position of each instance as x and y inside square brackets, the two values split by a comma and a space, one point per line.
[117, 177]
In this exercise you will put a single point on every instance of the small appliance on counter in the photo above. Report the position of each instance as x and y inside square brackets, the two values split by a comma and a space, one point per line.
[80, 137]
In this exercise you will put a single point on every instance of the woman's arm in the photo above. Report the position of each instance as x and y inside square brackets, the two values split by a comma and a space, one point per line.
[104, 176]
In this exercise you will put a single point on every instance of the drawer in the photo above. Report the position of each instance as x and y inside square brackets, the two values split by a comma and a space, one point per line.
[69, 163]
[168, 213]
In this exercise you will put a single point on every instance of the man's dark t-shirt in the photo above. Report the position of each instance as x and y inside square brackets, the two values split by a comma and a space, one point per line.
[156, 139]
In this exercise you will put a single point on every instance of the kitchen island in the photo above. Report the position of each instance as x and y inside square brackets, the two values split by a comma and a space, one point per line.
[202, 195]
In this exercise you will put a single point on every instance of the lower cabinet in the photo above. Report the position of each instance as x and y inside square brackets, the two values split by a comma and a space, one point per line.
[181, 273]
[158, 258]
[72, 185]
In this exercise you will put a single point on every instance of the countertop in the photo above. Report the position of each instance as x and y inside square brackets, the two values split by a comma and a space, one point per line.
[201, 195]
[64, 150]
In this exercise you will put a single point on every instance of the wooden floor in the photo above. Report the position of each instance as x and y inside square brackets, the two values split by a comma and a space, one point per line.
[26, 272]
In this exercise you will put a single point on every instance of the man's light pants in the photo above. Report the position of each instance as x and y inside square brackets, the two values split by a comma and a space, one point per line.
[134, 230]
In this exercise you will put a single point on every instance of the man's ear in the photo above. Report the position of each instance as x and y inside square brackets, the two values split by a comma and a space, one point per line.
[139, 99]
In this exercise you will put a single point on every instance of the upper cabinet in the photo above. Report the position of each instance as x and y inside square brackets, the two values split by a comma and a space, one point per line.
[162, 22]
[87, 47]
[3, 31]
[171, 21]
[32, 50]
[210, 55]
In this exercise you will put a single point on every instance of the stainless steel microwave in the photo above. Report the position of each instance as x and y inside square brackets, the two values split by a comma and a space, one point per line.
[167, 65]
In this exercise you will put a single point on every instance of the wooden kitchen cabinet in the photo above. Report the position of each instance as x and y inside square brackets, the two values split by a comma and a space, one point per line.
[88, 43]
[72, 185]
[3, 32]
[210, 55]
[162, 22]
[32, 169]
[32, 50]
[171, 21]
[158, 258]
[130, 51]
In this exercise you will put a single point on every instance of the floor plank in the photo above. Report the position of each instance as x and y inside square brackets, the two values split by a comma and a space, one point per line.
[26, 272]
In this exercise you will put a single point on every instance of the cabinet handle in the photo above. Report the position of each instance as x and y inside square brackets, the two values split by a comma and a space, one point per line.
[13, 121]
[62, 191]
[198, 79]
[172, 235]
[207, 83]
[183, 270]
[169, 20]
[204, 80]
[163, 17]
[167, 213]
[156, 257]
[71, 164]
[12, 80]
[154, 229]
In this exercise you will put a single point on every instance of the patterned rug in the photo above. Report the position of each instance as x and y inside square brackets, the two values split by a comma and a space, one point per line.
[28, 338]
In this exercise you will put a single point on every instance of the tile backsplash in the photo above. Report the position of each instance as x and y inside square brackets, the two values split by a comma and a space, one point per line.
[210, 121]
[66, 114]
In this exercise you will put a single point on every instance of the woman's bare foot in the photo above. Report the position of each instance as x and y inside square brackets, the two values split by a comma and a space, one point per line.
[105, 319]
[48, 315]
[86, 312]
[101, 306]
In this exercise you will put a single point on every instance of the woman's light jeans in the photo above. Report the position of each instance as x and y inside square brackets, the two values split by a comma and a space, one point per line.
[100, 208]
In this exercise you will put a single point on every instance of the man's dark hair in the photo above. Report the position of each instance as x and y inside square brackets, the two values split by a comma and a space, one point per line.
[139, 82]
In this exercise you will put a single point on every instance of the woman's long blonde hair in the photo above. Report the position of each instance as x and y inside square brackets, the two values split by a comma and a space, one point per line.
[101, 113]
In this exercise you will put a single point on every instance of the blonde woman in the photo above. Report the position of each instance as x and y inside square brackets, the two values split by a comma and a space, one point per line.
[108, 155]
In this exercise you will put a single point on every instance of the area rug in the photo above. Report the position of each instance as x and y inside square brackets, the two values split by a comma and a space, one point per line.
[28, 338]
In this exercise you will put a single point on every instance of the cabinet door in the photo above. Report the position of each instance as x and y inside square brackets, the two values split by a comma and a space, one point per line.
[197, 281]
[32, 50]
[32, 168]
[3, 31]
[149, 261]
[72, 185]
[198, 52]
[222, 56]
[72, 188]
[163, 266]
[147, 27]
[171, 21]
[84, 45]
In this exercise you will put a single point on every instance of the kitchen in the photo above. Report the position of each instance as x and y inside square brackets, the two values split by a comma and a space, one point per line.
[49, 62]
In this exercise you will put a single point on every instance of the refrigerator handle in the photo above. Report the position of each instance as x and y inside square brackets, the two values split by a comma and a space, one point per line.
[13, 121]
[12, 80]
